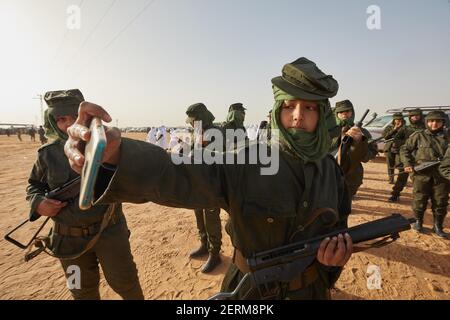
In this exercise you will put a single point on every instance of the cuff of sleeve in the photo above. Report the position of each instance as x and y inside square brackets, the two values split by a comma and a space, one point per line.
[34, 204]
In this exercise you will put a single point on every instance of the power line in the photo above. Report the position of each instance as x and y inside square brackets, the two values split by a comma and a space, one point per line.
[128, 25]
[91, 33]
[149, 3]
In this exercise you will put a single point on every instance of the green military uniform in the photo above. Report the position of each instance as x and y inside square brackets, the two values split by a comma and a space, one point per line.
[399, 140]
[235, 121]
[42, 137]
[358, 152]
[263, 133]
[423, 146]
[392, 148]
[32, 133]
[444, 168]
[73, 228]
[208, 219]
[266, 211]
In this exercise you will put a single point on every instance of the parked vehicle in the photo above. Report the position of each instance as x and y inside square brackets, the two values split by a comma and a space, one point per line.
[377, 126]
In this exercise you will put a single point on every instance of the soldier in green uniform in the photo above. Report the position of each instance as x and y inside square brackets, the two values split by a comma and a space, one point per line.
[360, 150]
[208, 220]
[416, 123]
[32, 133]
[263, 132]
[42, 137]
[235, 122]
[423, 146]
[77, 238]
[265, 211]
[391, 148]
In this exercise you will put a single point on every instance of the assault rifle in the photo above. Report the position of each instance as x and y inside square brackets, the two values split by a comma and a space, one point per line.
[284, 263]
[380, 139]
[64, 193]
[345, 145]
[420, 167]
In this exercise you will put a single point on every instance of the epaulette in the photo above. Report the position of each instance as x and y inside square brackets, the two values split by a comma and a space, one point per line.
[416, 132]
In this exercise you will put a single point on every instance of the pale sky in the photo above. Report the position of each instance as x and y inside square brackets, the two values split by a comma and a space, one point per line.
[146, 67]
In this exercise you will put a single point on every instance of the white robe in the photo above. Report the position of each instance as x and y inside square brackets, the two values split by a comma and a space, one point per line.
[151, 136]
[161, 137]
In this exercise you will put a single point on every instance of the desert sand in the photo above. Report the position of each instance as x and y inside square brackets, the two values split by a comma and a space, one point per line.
[416, 266]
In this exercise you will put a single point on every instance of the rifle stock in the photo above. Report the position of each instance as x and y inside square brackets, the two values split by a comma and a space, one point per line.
[67, 191]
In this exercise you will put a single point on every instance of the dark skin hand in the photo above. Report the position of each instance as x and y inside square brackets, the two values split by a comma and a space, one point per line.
[332, 252]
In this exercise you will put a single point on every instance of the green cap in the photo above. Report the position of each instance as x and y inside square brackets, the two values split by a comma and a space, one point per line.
[63, 102]
[304, 80]
[398, 116]
[236, 107]
[415, 112]
[342, 106]
[436, 115]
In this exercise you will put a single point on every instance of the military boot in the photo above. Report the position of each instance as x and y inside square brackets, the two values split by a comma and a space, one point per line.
[394, 198]
[438, 226]
[213, 261]
[419, 222]
[200, 251]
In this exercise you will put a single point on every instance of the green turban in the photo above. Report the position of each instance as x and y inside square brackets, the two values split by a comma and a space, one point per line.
[308, 146]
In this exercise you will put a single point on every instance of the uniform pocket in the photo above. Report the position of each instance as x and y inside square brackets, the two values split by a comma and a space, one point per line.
[263, 208]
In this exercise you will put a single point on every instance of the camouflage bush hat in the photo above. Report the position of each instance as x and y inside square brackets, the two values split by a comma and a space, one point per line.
[304, 80]
[415, 112]
[236, 107]
[398, 116]
[436, 115]
[342, 106]
[63, 102]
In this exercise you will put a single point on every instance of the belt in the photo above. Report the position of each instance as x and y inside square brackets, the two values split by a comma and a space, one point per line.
[302, 280]
[85, 231]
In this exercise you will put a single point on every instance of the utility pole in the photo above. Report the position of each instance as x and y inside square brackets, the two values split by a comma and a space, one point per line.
[117, 123]
[41, 97]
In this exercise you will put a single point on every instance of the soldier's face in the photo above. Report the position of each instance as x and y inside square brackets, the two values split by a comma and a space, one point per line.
[65, 122]
[344, 115]
[435, 125]
[300, 114]
[415, 119]
[398, 122]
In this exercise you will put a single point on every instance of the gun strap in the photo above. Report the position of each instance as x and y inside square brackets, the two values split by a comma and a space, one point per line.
[42, 242]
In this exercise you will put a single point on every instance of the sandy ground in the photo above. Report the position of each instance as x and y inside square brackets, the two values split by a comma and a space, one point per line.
[417, 266]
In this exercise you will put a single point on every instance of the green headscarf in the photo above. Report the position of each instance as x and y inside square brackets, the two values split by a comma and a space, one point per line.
[236, 117]
[309, 147]
[347, 122]
[51, 128]
[199, 112]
